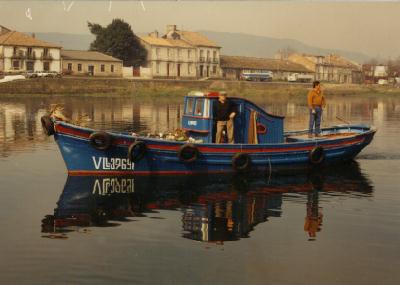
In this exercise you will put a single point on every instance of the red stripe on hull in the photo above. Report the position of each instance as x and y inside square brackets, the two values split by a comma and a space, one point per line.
[207, 149]
[122, 173]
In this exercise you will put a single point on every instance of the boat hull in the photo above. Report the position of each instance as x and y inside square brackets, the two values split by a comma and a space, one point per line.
[161, 156]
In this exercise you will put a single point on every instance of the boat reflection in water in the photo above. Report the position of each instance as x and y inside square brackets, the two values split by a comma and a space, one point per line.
[214, 209]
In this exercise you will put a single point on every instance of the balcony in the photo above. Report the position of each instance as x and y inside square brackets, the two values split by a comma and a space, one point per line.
[19, 55]
[31, 55]
[46, 57]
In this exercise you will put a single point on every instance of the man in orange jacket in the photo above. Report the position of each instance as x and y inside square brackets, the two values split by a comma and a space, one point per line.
[316, 101]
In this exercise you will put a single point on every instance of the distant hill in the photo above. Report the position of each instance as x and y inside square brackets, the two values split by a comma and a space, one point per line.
[249, 45]
[232, 44]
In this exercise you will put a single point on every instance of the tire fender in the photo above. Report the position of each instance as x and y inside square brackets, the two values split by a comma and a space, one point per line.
[47, 125]
[317, 155]
[136, 151]
[188, 153]
[100, 140]
[241, 161]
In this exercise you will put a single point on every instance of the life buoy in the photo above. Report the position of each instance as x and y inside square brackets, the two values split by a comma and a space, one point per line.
[136, 151]
[241, 161]
[47, 125]
[317, 155]
[188, 153]
[100, 140]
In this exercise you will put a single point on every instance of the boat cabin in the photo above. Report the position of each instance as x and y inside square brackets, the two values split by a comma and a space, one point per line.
[252, 125]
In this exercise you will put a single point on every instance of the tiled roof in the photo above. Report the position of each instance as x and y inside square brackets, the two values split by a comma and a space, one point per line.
[243, 62]
[14, 38]
[165, 42]
[196, 39]
[86, 55]
[340, 61]
[310, 61]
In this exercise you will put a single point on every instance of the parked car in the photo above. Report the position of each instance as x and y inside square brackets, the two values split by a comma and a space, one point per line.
[383, 82]
[31, 74]
[300, 77]
[54, 74]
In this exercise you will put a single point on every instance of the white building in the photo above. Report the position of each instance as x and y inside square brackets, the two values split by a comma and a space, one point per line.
[180, 54]
[20, 52]
[169, 58]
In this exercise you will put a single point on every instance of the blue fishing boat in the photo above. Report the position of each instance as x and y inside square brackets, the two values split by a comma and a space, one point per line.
[261, 144]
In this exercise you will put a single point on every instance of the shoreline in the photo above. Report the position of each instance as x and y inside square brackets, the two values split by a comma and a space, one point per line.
[117, 87]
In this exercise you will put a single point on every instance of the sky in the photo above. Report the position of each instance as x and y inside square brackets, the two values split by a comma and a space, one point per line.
[372, 28]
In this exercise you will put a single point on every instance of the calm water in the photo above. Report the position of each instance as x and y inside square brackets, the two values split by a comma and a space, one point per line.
[337, 227]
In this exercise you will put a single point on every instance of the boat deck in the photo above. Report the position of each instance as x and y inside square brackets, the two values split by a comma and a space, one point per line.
[331, 136]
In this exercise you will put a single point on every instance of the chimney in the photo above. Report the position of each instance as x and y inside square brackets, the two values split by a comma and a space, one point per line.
[154, 34]
[171, 28]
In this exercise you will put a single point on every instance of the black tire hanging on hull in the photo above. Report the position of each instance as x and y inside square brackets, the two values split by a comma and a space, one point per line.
[188, 153]
[241, 161]
[317, 155]
[136, 151]
[100, 140]
[47, 125]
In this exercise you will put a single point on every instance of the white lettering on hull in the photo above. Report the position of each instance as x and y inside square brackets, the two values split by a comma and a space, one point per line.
[113, 163]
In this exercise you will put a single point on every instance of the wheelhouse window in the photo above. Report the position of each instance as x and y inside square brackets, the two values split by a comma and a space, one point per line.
[199, 107]
[189, 106]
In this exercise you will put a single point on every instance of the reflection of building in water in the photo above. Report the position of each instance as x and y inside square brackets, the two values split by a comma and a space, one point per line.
[20, 126]
[379, 114]
[229, 216]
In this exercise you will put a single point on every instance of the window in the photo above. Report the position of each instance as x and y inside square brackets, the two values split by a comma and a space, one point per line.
[157, 67]
[79, 67]
[189, 53]
[29, 51]
[102, 68]
[15, 50]
[214, 69]
[112, 67]
[179, 52]
[199, 107]
[46, 52]
[157, 52]
[46, 66]
[16, 64]
[189, 106]
[70, 66]
[189, 67]
[168, 52]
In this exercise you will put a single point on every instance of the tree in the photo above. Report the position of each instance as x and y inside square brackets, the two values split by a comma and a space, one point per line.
[118, 40]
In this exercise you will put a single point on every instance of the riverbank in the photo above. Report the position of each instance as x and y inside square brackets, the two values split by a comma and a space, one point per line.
[162, 88]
